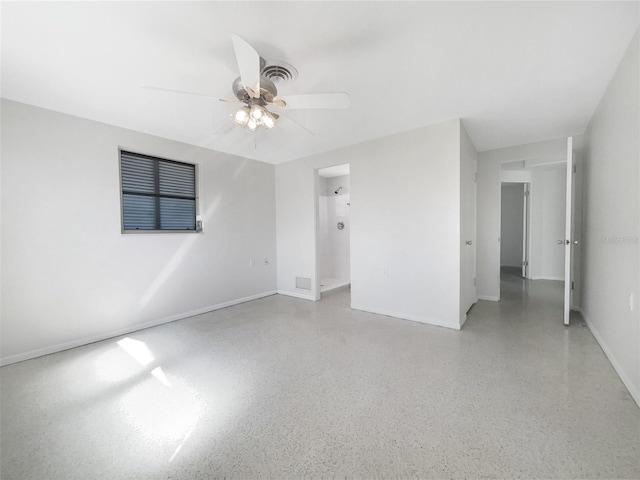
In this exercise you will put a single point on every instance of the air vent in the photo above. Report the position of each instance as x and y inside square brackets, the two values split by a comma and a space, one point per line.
[303, 283]
[278, 71]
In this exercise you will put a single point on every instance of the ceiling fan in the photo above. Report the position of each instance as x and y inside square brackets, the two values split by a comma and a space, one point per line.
[255, 89]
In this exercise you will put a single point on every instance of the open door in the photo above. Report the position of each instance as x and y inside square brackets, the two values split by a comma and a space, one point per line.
[568, 241]
[467, 233]
[525, 231]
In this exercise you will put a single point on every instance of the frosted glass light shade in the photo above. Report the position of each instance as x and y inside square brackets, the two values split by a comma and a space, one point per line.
[241, 116]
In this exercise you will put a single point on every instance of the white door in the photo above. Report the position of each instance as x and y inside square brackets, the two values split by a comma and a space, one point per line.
[525, 232]
[568, 241]
[468, 232]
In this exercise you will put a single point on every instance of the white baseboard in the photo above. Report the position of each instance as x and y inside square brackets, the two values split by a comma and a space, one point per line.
[20, 357]
[491, 298]
[633, 389]
[403, 316]
[304, 296]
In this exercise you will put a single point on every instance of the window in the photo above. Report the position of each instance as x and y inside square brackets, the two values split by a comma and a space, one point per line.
[157, 194]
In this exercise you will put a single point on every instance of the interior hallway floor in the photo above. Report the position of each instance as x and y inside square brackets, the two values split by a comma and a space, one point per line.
[287, 388]
[329, 284]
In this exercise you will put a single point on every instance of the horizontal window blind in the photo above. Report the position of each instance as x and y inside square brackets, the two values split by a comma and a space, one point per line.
[157, 194]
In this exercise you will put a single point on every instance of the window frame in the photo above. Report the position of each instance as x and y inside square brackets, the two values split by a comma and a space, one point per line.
[198, 223]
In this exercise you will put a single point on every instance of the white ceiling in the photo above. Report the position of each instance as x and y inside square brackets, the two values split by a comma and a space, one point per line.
[514, 72]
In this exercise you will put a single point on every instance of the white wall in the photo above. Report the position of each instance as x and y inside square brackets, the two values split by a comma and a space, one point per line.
[611, 260]
[488, 227]
[511, 221]
[488, 218]
[514, 176]
[405, 216]
[69, 276]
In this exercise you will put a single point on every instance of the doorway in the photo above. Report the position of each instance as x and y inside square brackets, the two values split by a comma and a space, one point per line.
[514, 228]
[548, 244]
[334, 228]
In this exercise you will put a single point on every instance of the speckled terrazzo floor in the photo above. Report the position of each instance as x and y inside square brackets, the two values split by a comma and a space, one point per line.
[282, 387]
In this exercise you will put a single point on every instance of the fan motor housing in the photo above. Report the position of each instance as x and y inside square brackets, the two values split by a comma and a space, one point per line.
[268, 91]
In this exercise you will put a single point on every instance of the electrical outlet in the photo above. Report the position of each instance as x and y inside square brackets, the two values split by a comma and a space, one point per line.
[266, 262]
[385, 270]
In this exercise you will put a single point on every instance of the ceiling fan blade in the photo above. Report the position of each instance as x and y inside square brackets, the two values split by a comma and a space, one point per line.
[298, 124]
[228, 100]
[224, 128]
[314, 100]
[248, 65]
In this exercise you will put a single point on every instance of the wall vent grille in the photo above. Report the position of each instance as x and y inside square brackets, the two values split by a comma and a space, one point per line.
[303, 283]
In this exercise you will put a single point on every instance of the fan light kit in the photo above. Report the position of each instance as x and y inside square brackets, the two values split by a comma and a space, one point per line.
[255, 88]
[254, 117]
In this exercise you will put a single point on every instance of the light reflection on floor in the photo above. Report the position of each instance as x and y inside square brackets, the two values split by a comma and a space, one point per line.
[162, 414]
[137, 349]
[160, 408]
